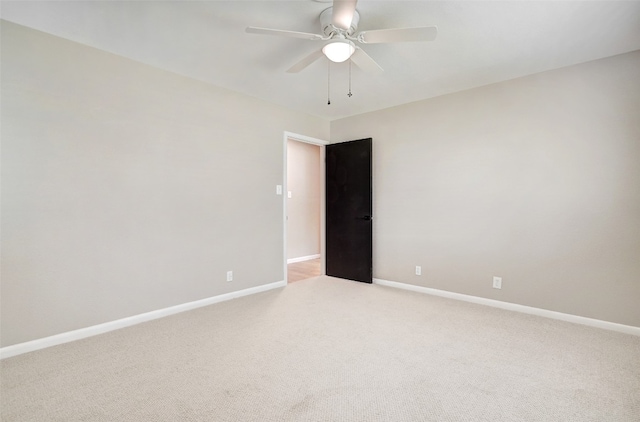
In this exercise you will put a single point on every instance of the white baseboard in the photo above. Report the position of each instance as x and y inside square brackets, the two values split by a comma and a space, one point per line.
[627, 329]
[30, 346]
[303, 258]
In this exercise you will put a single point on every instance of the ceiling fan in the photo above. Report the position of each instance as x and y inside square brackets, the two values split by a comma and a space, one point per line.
[338, 25]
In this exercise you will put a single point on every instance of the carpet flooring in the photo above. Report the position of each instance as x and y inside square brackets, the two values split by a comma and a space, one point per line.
[325, 349]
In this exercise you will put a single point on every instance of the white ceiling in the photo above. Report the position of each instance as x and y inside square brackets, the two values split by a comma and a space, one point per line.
[479, 42]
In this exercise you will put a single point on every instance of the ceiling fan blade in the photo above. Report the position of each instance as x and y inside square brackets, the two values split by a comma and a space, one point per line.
[365, 62]
[283, 33]
[305, 62]
[343, 11]
[423, 33]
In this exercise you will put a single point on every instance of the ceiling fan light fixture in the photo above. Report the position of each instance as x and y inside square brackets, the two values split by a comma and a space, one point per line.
[339, 51]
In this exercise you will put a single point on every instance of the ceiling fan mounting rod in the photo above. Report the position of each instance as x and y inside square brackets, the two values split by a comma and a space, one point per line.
[327, 27]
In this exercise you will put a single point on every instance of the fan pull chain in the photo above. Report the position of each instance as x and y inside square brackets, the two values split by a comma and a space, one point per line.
[328, 82]
[349, 94]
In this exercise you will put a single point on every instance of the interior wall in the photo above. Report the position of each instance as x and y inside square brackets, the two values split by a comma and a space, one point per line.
[127, 189]
[303, 208]
[535, 180]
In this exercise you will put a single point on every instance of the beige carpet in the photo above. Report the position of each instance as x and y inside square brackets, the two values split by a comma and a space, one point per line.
[332, 350]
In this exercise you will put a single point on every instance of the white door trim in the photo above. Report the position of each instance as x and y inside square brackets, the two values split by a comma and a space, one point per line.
[321, 143]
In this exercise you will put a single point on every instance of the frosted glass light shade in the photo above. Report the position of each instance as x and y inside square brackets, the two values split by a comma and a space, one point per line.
[338, 51]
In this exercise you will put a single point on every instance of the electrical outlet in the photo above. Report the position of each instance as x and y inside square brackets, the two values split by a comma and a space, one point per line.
[229, 275]
[497, 282]
[418, 270]
[278, 189]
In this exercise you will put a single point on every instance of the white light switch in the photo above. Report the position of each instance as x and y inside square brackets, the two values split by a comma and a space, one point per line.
[278, 189]
[289, 194]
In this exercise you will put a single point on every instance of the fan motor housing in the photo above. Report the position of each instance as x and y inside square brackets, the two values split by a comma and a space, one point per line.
[326, 17]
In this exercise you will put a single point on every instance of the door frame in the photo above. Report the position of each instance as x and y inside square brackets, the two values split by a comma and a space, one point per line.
[320, 143]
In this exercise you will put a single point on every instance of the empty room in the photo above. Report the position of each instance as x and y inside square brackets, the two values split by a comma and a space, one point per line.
[464, 176]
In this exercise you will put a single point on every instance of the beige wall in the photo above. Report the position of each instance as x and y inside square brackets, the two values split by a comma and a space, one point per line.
[127, 189]
[536, 180]
[303, 208]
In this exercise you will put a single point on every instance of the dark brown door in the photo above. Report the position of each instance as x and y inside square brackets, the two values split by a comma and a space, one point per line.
[349, 236]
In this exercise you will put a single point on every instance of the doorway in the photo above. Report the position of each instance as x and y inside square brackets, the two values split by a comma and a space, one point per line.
[304, 207]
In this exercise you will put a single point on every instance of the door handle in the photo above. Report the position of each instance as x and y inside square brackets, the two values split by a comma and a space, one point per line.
[365, 218]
